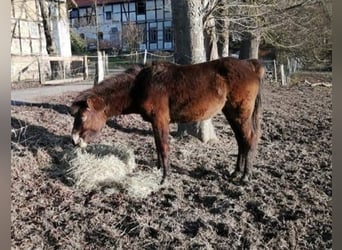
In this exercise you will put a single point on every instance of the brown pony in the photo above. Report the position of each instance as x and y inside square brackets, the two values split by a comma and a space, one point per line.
[164, 93]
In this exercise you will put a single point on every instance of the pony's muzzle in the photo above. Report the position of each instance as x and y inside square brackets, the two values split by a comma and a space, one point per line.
[78, 141]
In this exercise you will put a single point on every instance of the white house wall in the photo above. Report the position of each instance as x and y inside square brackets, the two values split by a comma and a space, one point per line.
[60, 29]
[27, 40]
[27, 36]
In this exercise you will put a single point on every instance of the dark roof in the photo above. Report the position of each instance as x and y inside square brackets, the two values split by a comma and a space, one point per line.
[86, 3]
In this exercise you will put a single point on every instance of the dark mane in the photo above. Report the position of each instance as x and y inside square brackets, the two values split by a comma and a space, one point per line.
[122, 82]
[115, 87]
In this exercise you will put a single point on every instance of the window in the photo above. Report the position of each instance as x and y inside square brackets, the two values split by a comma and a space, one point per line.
[141, 7]
[114, 30]
[167, 34]
[74, 14]
[100, 35]
[82, 35]
[108, 15]
[153, 35]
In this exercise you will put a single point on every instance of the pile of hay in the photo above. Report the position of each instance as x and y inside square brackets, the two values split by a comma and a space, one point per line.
[110, 167]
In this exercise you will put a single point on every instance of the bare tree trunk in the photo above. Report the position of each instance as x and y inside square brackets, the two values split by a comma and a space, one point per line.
[187, 23]
[222, 27]
[50, 46]
[210, 38]
[254, 45]
[250, 46]
[189, 49]
[47, 29]
[245, 47]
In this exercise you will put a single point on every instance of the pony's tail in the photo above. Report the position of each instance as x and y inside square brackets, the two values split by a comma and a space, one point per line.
[256, 115]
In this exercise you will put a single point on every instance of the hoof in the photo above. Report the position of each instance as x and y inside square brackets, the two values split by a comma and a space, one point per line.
[162, 181]
[163, 178]
[234, 174]
[245, 179]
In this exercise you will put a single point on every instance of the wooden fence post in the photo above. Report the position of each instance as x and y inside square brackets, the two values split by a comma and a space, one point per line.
[64, 73]
[283, 77]
[275, 71]
[99, 75]
[105, 63]
[85, 67]
[41, 70]
[145, 56]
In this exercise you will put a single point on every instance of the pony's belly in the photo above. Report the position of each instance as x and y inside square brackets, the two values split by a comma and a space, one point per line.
[197, 104]
[196, 112]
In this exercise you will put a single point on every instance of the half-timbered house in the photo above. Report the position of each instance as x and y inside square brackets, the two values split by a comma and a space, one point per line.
[121, 24]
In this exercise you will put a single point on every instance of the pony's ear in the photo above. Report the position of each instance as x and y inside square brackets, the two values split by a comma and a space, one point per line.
[80, 101]
[96, 103]
[75, 106]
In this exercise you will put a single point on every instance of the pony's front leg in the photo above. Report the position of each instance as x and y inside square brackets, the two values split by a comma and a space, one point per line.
[161, 135]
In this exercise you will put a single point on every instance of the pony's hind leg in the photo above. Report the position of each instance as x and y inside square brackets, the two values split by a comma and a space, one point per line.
[249, 141]
[161, 134]
[246, 140]
[245, 155]
[240, 162]
[249, 156]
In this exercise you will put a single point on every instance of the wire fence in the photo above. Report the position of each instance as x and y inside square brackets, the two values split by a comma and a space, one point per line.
[59, 70]
[117, 63]
[270, 70]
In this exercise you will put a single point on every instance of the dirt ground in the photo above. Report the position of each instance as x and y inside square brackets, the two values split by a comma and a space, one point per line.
[286, 205]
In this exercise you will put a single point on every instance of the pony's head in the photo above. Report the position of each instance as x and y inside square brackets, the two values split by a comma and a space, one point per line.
[89, 113]
[92, 107]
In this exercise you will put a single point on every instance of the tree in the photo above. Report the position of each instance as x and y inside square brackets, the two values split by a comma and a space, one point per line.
[50, 42]
[132, 35]
[216, 29]
[247, 21]
[189, 48]
[187, 21]
[304, 33]
[298, 28]
[78, 44]
[44, 9]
